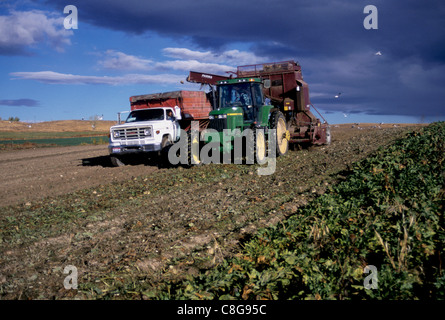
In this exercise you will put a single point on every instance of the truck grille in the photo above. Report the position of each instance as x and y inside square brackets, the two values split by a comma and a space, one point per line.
[134, 133]
[218, 124]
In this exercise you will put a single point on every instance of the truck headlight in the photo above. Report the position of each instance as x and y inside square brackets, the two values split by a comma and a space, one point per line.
[147, 132]
[116, 134]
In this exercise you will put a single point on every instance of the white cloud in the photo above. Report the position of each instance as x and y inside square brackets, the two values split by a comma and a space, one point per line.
[22, 29]
[52, 77]
[122, 61]
[186, 60]
[194, 65]
[231, 57]
[116, 60]
[184, 53]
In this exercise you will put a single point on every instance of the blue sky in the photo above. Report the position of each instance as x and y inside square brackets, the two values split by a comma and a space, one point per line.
[125, 48]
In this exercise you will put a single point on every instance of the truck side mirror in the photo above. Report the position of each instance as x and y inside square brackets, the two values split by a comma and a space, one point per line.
[266, 83]
[178, 113]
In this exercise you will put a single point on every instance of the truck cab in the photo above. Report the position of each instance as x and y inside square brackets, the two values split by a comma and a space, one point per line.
[144, 131]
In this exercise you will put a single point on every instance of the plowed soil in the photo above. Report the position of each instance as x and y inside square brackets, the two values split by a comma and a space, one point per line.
[125, 228]
[33, 174]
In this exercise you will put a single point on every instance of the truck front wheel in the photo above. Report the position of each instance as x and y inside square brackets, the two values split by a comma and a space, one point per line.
[163, 153]
[116, 162]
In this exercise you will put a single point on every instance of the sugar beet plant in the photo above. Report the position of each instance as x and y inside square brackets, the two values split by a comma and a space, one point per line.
[387, 214]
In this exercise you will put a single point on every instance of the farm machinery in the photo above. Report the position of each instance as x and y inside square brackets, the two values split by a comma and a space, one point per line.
[266, 105]
[262, 97]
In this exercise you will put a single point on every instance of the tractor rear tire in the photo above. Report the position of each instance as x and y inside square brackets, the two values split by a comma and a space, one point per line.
[260, 147]
[278, 122]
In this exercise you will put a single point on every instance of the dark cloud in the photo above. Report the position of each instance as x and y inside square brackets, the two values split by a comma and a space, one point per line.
[327, 37]
[321, 28]
[19, 103]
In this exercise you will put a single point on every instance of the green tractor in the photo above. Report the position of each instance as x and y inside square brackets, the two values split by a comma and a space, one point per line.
[242, 114]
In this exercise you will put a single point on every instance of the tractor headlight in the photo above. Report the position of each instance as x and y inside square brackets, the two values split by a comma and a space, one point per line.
[222, 116]
[211, 117]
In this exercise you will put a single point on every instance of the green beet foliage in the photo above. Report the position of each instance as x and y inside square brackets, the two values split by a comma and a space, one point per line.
[387, 213]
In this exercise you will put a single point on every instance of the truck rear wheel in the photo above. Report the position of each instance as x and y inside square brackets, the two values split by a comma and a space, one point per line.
[278, 122]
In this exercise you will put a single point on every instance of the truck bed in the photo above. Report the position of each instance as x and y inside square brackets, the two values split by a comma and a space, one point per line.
[194, 104]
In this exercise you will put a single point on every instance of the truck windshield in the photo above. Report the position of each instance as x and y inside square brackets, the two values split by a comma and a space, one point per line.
[145, 115]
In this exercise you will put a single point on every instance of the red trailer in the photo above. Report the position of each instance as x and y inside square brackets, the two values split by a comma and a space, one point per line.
[194, 105]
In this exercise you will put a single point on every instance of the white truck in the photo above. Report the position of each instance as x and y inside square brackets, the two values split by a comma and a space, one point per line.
[155, 122]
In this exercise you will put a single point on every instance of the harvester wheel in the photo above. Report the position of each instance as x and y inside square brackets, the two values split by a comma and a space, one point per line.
[193, 149]
[278, 122]
[328, 135]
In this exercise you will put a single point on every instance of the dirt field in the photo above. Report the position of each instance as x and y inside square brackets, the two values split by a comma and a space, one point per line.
[33, 174]
[57, 126]
[133, 225]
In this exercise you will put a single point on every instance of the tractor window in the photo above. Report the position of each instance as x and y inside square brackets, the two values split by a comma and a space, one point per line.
[238, 95]
[257, 94]
[145, 115]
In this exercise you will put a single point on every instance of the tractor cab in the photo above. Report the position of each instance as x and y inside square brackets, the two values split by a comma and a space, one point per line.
[244, 93]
